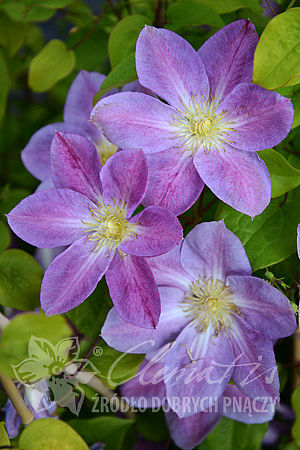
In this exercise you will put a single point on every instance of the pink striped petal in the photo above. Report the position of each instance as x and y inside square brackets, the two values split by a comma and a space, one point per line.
[50, 218]
[75, 165]
[72, 277]
[169, 66]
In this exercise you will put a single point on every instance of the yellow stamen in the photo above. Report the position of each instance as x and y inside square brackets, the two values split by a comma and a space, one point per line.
[201, 124]
[209, 303]
[109, 226]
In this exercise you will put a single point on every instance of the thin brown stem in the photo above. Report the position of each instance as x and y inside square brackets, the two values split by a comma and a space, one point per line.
[271, 8]
[93, 27]
[284, 200]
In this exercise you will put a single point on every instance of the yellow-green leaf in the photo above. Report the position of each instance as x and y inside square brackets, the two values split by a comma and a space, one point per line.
[122, 39]
[277, 56]
[50, 434]
[53, 63]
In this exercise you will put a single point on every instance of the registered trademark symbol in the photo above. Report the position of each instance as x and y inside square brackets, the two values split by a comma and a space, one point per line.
[98, 351]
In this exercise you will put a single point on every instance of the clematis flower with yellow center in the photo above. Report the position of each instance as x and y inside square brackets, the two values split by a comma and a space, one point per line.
[90, 210]
[218, 325]
[213, 122]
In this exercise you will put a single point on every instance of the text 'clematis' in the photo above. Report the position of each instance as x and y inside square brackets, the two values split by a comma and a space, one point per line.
[212, 126]
[91, 208]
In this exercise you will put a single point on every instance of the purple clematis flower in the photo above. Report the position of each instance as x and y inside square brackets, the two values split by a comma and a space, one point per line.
[149, 386]
[91, 208]
[223, 321]
[77, 110]
[212, 126]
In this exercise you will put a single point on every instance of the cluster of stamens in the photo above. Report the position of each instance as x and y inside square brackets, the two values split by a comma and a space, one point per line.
[109, 226]
[209, 303]
[201, 125]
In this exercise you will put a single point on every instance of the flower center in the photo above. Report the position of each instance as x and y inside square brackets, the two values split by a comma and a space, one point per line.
[209, 303]
[109, 226]
[202, 125]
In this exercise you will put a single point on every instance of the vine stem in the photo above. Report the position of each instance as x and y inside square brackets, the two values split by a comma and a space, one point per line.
[291, 4]
[15, 397]
[271, 8]
[11, 390]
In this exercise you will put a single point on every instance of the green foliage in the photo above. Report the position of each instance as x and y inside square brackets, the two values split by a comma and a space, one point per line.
[270, 237]
[122, 39]
[296, 407]
[115, 367]
[123, 73]
[276, 61]
[110, 430]
[97, 306]
[4, 83]
[4, 236]
[152, 426]
[96, 44]
[53, 63]
[284, 177]
[192, 13]
[47, 434]
[17, 334]
[12, 34]
[4, 439]
[221, 6]
[20, 280]
[296, 104]
[232, 435]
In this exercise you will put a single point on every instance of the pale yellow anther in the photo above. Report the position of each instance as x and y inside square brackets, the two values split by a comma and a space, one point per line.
[201, 125]
[109, 226]
[209, 303]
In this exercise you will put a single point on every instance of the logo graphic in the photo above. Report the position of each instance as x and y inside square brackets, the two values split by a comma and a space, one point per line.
[58, 364]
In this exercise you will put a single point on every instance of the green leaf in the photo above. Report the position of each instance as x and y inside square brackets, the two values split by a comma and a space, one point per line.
[4, 83]
[122, 39]
[96, 305]
[296, 104]
[17, 334]
[116, 367]
[123, 73]
[53, 63]
[4, 237]
[12, 34]
[38, 14]
[221, 6]
[110, 430]
[4, 439]
[92, 52]
[276, 59]
[152, 426]
[9, 198]
[296, 408]
[232, 435]
[284, 177]
[191, 13]
[53, 3]
[47, 434]
[20, 280]
[270, 237]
